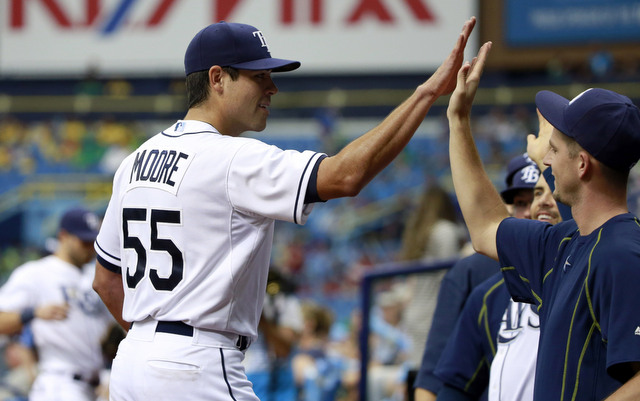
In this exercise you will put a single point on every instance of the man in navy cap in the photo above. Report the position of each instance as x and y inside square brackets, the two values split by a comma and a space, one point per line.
[67, 318]
[582, 274]
[184, 249]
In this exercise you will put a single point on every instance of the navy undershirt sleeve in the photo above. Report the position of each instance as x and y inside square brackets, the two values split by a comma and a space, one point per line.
[311, 195]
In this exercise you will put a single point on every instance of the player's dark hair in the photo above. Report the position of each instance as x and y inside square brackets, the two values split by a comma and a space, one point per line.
[619, 178]
[197, 84]
[197, 87]
[616, 177]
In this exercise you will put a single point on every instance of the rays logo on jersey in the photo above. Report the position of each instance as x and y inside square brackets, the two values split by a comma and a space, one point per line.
[515, 318]
[87, 301]
[159, 168]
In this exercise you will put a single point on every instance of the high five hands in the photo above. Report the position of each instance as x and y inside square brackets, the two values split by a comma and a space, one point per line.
[443, 81]
[466, 86]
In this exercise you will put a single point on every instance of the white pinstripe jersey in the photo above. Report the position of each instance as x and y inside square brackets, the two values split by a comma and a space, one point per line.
[190, 225]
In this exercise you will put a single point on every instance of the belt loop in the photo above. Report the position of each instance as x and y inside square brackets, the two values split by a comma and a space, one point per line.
[242, 343]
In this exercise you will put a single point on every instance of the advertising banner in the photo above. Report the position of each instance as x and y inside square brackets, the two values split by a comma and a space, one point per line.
[149, 37]
[564, 22]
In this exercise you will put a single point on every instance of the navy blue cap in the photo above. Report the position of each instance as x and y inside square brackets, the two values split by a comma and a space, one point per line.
[81, 223]
[605, 123]
[232, 45]
[522, 173]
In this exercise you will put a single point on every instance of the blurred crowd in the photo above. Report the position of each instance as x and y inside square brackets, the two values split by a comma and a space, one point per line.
[391, 221]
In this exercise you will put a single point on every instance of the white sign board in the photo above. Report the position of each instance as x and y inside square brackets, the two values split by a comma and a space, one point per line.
[149, 37]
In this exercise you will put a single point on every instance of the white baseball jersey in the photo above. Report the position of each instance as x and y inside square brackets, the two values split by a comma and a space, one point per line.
[514, 366]
[190, 225]
[70, 346]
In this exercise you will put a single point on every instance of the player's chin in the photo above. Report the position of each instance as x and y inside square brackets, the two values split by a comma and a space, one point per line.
[259, 124]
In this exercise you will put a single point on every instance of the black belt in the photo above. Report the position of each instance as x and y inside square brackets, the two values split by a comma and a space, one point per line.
[183, 329]
[93, 381]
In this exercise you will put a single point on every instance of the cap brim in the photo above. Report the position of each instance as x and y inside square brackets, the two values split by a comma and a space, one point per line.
[508, 194]
[551, 106]
[273, 64]
[87, 236]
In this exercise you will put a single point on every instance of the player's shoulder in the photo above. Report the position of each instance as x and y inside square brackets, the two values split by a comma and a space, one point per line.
[619, 233]
[33, 268]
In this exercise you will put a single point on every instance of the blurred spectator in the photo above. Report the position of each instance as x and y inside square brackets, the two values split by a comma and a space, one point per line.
[317, 371]
[390, 346]
[432, 231]
[21, 364]
[268, 361]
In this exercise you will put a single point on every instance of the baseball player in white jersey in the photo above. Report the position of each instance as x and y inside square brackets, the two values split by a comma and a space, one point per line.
[184, 249]
[55, 296]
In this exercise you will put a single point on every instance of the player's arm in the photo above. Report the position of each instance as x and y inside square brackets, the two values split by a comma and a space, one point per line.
[346, 173]
[109, 286]
[12, 322]
[631, 389]
[481, 204]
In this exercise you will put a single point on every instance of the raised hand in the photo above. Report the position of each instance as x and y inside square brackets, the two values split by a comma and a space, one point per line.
[443, 81]
[538, 146]
[467, 85]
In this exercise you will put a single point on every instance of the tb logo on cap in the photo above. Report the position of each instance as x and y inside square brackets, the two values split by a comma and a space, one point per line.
[263, 41]
[530, 174]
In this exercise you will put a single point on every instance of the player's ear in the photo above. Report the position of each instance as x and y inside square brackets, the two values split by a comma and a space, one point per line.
[215, 78]
[585, 163]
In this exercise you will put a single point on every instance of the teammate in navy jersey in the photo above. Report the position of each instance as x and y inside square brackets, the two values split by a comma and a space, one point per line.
[184, 249]
[582, 274]
[492, 351]
[468, 273]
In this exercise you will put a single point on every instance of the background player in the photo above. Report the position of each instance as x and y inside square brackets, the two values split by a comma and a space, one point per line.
[184, 249]
[492, 351]
[466, 274]
[68, 320]
[580, 273]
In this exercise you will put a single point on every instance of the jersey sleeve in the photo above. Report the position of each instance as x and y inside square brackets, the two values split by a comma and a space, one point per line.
[107, 244]
[464, 363]
[271, 182]
[454, 291]
[526, 249]
[17, 292]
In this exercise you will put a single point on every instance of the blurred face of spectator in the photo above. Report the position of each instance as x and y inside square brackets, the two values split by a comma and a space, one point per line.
[521, 207]
[543, 206]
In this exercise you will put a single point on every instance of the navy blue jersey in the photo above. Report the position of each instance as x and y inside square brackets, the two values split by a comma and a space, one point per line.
[585, 288]
[466, 359]
[455, 288]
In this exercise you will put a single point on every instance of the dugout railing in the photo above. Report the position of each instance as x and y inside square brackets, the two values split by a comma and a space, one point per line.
[415, 287]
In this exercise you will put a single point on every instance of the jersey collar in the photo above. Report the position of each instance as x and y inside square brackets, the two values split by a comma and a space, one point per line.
[185, 127]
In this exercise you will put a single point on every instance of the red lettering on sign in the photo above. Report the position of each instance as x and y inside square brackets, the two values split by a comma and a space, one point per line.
[17, 13]
[224, 8]
[160, 12]
[93, 8]
[421, 11]
[287, 13]
[316, 11]
[376, 9]
[370, 7]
